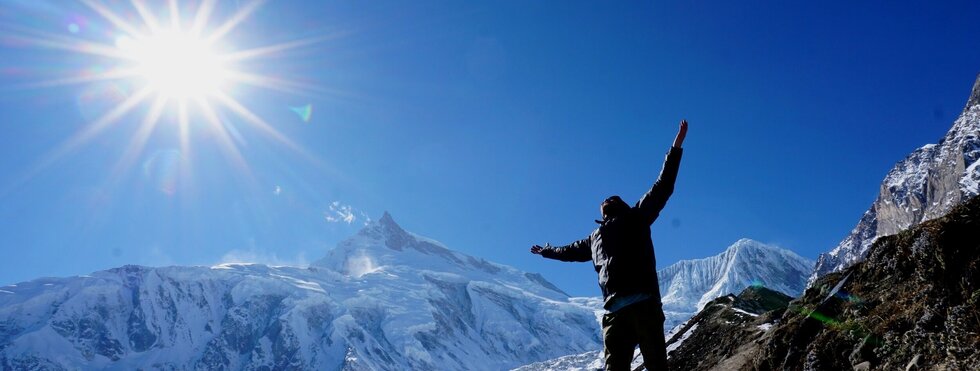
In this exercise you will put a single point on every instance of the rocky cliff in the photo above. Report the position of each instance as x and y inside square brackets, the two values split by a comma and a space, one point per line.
[925, 185]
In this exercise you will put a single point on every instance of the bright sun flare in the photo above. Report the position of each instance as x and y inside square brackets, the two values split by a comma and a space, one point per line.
[176, 61]
[176, 64]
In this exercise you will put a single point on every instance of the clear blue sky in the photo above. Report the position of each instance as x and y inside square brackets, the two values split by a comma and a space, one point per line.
[489, 126]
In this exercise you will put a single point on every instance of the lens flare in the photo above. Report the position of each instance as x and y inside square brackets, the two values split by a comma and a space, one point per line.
[821, 317]
[162, 171]
[305, 113]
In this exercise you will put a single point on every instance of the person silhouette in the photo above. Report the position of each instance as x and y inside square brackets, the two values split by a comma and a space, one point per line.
[621, 250]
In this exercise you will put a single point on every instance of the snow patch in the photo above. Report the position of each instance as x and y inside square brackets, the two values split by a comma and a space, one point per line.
[745, 312]
[677, 344]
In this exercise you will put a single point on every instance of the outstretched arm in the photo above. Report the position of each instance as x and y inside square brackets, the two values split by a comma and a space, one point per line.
[578, 251]
[681, 133]
[656, 198]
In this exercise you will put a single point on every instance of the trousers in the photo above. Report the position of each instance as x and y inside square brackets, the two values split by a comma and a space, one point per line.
[640, 323]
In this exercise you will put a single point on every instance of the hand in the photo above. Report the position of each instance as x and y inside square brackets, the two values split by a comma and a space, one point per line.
[681, 133]
[536, 249]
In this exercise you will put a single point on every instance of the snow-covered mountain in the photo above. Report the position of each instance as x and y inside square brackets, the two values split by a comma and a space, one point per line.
[686, 286]
[384, 299]
[925, 185]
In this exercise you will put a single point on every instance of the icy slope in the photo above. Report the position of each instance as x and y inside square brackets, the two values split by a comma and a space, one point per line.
[383, 299]
[688, 285]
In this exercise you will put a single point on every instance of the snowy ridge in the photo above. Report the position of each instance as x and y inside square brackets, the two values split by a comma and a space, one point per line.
[686, 286]
[925, 185]
[383, 300]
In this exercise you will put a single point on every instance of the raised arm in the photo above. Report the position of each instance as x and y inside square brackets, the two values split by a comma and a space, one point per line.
[656, 198]
[578, 251]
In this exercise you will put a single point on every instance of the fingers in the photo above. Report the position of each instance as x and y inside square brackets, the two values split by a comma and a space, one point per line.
[681, 133]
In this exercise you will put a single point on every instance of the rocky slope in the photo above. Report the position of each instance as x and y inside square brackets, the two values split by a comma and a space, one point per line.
[384, 299]
[725, 329]
[912, 304]
[925, 185]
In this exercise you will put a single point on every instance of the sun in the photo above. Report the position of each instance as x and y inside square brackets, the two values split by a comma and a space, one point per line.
[176, 64]
[172, 56]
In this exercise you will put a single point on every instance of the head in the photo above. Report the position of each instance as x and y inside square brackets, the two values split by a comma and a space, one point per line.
[612, 207]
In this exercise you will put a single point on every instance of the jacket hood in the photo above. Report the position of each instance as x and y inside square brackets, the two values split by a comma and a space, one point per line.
[613, 206]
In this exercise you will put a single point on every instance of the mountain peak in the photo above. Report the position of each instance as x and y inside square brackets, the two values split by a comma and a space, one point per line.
[387, 230]
[975, 94]
[745, 243]
[688, 285]
[386, 219]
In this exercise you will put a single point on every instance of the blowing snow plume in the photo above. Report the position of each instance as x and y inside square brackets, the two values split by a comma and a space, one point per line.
[360, 264]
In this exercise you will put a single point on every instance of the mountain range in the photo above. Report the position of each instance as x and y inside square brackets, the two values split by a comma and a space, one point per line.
[384, 299]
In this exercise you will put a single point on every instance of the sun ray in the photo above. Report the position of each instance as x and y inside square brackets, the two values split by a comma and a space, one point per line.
[202, 16]
[113, 18]
[174, 14]
[283, 85]
[148, 18]
[259, 123]
[227, 144]
[255, 120]
[270, 82]
[68, 44]
[115, 74]
[110, 117]
[142, 135]
[183, 127]
[81, 137]
[237, 18]
[263, 51]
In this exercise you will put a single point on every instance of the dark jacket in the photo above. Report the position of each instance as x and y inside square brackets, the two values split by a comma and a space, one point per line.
[621, 249]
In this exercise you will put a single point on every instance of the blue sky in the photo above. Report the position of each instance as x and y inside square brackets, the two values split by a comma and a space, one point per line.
[489, 126]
